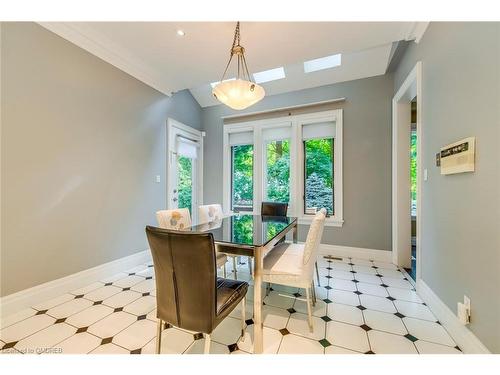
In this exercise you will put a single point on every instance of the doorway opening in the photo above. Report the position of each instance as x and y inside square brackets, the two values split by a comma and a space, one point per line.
[407, 174]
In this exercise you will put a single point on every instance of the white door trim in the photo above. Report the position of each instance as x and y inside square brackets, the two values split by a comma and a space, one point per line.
[411, 87]
[175, 127]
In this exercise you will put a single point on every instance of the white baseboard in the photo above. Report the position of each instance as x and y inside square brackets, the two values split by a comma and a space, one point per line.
[356, 252]
[462, 335]
[26, 298]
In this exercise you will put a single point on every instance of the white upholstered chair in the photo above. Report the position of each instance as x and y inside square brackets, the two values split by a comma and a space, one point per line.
[213, 212]
[179, 219]
[292, 264]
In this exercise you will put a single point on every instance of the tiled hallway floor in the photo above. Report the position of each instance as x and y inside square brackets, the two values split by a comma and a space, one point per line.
[362, 307]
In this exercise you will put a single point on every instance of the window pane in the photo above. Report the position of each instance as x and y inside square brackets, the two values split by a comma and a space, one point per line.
[318, 175]
[242, 178]
[185, 182]
[278, 171]
[413, 171]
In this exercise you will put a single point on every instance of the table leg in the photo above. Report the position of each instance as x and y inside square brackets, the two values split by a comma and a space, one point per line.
[257, 302]
[295, 233]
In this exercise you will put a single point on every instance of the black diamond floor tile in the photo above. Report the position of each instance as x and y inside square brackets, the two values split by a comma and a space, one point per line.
[284, 331]
[118, 309]
[369, 352]
[357, 292]
[131, 274]
[106, 340]
[328, 287]
[297, 295]
[198, 336]
[365, 327]
[249, 322]
[325, 343]
[146, 294]
[79, 296]
[361, 307]
[40, 312]
[232, 347]
[326, 318]
[125, 289]
[326, 300]
[411, 338]
[141, 317]
[135, 351]
[108, 284]
[385, 286]
[391, 298]
[149, 277]
[60, 320]
[9, 345]
[82, 329]
[399, 315]
[97, 303]
[291, 310]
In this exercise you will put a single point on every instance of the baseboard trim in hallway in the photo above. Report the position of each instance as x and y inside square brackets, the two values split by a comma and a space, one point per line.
[356, 252]
[23, 299]
[462, 335]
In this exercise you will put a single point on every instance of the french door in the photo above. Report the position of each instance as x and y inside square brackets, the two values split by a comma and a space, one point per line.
[185, 167]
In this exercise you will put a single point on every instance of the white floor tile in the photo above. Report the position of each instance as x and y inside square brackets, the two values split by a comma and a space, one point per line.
[128, 281]
[341, 284]
[152, 316]
[391, 273]
[397, 283]
[102, 293]
[332, 349]
[384, 265]
[147, 272]
[141, 306]
[236, 313]
[109, 349]
[369, 279]
[227, 332]
[298, 325]
[292, 344]
[404, 294]
[281, 289]
[146, 286]
[323, 271]
[87, 289]
[112, 324]
[54, 302]
[114, 278]
[173, 341]
[46, 338]
[271, 340]
[388, 343]
[81, 343]
[428, 331]
[24, 328]
[346, 275]
[341, 267]
[361, 262]
[321, 292]
[347, 336]
[279, 299]
[345, 313]
[372, 289]
[377, 303]
[136, 335]
[343, 297]
[17, 317]
[318, 310]
[415, 310]
[384, 322]
[137, 269]
[425, 347]
[69, 308]
[198, 347]
[365, 269]
[273, 317]
[122, 299]
[89, 316]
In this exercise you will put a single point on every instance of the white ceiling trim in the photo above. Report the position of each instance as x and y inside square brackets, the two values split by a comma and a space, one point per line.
[416, 31]
[106, 50]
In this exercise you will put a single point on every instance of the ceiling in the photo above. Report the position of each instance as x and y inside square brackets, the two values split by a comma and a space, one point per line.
[154, 53]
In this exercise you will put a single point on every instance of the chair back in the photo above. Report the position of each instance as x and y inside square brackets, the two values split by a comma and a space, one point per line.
[186, 286]
[273, 209]
[313, 239]
[178, 218]
[209, 213]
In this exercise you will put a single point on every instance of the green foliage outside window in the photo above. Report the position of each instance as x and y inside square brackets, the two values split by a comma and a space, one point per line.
[278, 171]
[242, 179]
[185, 182]
[413, 171]
[319, 174]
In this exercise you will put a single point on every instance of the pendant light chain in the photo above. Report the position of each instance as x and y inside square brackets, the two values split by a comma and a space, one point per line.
[242, 64]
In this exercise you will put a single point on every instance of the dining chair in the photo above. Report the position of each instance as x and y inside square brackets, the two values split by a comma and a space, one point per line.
[189, 295]
[280, 209]
[180, 218]
[292, 264]
[212, 212]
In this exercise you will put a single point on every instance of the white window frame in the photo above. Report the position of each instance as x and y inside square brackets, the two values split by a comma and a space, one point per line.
[296, 204]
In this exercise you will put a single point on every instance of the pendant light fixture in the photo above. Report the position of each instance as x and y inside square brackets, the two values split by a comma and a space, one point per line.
[242, 92]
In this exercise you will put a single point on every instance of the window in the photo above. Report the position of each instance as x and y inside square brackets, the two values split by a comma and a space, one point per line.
[318, 175]
[242, 178]
[269, 75]
[413, 171]
[278, 171]
[185, 184]
[323, 63]
[294, 159]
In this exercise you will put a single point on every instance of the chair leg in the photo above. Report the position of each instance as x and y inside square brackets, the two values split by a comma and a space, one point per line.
[234, 268]
[207, 344]
[268, 288]
[159, 326]
[309, 310]
[249, 260]
[317, 272]
[243, 318]
[224, 271]
[313, 290]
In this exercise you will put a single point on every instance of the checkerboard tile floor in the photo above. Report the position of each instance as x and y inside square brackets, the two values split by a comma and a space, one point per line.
[363, 307]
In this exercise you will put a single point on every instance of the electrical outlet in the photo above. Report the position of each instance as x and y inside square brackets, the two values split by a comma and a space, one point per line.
[463, 311]
[158, 178]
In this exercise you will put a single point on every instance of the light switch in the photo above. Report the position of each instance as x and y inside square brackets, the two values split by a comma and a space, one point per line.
[158, 178]
[425, 175]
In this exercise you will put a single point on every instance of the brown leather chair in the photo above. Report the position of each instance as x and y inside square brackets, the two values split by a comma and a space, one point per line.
[273, 209]
[189, 295]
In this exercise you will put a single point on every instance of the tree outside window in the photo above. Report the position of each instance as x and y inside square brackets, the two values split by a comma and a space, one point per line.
[278, 171]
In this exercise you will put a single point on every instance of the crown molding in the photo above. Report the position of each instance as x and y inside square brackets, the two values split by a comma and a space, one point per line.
[416, 31]
[106, 50]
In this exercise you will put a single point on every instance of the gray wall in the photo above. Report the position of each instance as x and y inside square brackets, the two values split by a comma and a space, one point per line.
[82, 143]
[367, 157]
[461, 213]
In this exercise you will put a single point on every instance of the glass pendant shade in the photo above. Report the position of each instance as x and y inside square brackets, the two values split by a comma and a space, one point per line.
[238, 94]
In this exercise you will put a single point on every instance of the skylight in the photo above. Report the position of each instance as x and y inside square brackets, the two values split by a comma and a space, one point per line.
[323, 63]
[269, 75]
[213, 84]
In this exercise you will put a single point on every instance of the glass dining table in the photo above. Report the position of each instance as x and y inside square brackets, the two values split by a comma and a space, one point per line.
[253, 236]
